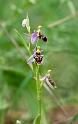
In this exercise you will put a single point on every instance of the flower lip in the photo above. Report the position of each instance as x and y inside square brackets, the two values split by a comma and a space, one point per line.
[38, 58]
[51, 83]
[42, 36]
[24, 22]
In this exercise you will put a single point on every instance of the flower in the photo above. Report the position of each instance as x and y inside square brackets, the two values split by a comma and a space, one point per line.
[36, 57]
[41, 36]
[32, 36]
[24, 22]
[36, 34]
[51, 83]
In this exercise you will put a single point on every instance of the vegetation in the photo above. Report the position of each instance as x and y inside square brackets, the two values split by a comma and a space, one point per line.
[17, 89]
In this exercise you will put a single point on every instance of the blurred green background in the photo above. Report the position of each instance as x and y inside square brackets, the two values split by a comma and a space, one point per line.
[17, 87]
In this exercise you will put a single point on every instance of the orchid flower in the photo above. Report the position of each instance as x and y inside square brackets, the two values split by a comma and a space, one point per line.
[51, 83]
[34, 35]
[36, 56]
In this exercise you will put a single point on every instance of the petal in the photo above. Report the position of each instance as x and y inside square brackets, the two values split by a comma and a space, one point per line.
[49, 84]
[33, 37]
[24, 22]
[42, 62]
[26, 34]
[31, 59]
[41, 51]
[34, 50]
[43, 78]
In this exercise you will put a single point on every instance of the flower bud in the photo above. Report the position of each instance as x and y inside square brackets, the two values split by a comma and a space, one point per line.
[24, 22]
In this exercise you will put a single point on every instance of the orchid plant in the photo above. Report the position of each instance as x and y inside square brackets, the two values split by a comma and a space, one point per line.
[36, 59]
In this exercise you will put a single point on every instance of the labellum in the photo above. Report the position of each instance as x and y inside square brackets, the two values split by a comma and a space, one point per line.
[44, 38]
[38, 57]
[52, 82]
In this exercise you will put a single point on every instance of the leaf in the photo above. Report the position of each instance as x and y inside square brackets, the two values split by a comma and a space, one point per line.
[74, 118]
[23, 84]
[37, 119]
[13, 76]
[3, 103]
[21, 38]
[27, 23]
[30, 98]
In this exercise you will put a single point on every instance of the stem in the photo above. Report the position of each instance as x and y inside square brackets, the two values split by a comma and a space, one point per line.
[36, 74]
[38, 85]
[38, 91]
[39, 106]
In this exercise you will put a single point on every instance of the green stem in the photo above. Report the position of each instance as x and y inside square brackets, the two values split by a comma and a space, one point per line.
[38, 85]
[36, 74]
[39, 106]
[38, 91]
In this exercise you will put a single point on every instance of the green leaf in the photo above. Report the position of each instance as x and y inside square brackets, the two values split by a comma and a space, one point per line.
[13, 76]
[23, 84]
[30, 97]
[74, 118]
[27, 23]
[21, 38]
[37, 119]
